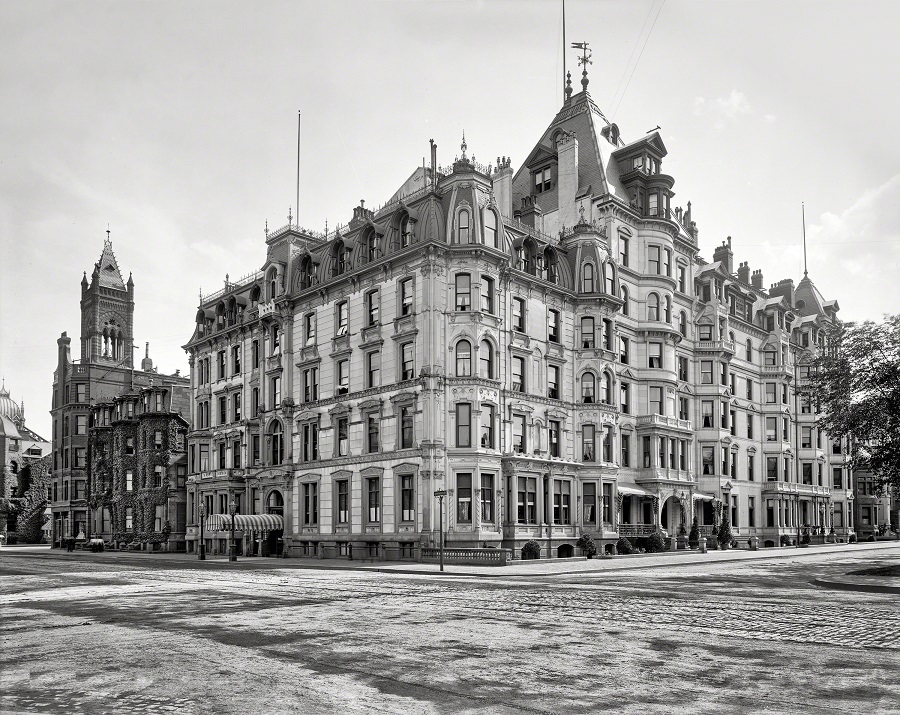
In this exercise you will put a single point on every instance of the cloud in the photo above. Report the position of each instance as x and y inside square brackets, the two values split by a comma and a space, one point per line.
[770, 118]
[722, 109]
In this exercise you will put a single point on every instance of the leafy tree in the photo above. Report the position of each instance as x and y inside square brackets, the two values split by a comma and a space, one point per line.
[655, 543]
[586, 544]
[31, 516]
[855, 384]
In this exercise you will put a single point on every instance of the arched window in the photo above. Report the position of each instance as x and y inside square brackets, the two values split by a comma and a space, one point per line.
[405, 231]
[306, 272]
[276, 442]
[486, 358]
[372, 246]
[609, 278]
[275, 503]
[339, 259]
[731, 335]
[624, 295]
[464, 359]
[606, 388]
[551, 269]
[653, 307]
[271, 284]
[254, 296]
[588, 387]
[462, 227]
[220, 316]
[682, 323]
[490, 228]
[668, 309]
[587, 278]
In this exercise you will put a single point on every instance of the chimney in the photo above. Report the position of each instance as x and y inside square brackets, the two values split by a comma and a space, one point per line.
[743, 273]
[724, 256]
[433, 161]
[785, 289]
[502, 186]
[567, 178]
[756, 280]
[530, 214]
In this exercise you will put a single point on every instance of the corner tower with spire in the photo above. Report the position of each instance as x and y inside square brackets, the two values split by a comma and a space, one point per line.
[107, 312]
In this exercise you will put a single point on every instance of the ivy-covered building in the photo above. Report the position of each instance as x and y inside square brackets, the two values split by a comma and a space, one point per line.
[545, 346]
[104, 373]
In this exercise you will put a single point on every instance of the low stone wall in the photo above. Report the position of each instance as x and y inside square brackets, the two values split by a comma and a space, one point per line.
[477, 557]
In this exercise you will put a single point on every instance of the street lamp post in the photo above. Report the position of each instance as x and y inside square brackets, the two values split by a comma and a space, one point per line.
[798, 520]
[201, 552]
[440, 494]
[232, 510]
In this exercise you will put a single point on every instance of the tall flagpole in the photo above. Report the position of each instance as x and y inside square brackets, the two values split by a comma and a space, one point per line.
[298, 168]
[803, 209]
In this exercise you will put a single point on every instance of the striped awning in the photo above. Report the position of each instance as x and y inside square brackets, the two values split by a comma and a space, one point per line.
[700, 496]
[632, 489]
[245, 522]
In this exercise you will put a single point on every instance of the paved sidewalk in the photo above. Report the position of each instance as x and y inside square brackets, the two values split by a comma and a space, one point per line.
[543, 567]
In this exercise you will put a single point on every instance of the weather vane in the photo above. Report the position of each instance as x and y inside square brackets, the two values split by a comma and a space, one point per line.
[584, 60]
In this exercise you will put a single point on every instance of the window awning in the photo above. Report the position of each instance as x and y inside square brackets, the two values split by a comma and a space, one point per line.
[245, 522]
[632, 489]
[700, 496]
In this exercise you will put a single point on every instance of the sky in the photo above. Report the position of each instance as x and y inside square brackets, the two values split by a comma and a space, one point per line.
[175, 124]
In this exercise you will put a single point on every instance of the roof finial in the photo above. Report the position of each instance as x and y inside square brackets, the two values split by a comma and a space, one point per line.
[267, 228]
[464, 146]
[584, 61]
[568, 86]
[289, 216]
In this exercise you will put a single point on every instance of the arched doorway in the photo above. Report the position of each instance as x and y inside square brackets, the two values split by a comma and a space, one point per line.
[565, 551]
[671, 516]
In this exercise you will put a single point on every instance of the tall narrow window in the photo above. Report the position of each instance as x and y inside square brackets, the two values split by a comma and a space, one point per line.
[408, 361]
[487, 498]
[373, 501]
[488, 415]
[553, 325]
[373, 369]
[311, 503]
[343, 437]
[588, 446]
[653, 259]
[490, 229]
[487, 295]
[553, 432]
[407, 498]
[518, 443]
[587, 278]
[518, 314]
[654, 351]
[343, 318]
[553, 381]
[609, 279]
[406, 296]
[463, 424]
[372, 306]
[463, 291]
[405, 231]
[462, 231]
[343, 376]
[562, 500]
[653, 307]
[486, 359]
[463, 359]
[623, 250]
[518, 374]
[406, 427]
[623, 293]
[588, 387]
[587, 332]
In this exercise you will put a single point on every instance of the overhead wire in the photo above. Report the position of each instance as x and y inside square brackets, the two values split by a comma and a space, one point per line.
[631, 56]
[643, 47]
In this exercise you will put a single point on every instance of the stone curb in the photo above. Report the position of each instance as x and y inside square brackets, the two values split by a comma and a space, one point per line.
[857, 584]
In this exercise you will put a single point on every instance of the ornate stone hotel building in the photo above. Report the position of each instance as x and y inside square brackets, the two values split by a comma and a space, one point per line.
[545, 344]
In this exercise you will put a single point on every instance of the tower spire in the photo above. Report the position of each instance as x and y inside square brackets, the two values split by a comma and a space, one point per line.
[803, 209]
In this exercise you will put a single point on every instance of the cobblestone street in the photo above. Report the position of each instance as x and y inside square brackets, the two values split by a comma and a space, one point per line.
[95, 635]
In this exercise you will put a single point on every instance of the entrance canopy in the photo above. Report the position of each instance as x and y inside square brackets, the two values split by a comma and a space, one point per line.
[632, 489]
[700, 496]
[245, 522]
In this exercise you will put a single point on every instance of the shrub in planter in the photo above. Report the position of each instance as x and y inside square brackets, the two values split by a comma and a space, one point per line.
[586, 544]
[805, 538]
[531, 550]
[852, 539]
[623, 546]
[725, 537]
[655, 543]
[694, 536]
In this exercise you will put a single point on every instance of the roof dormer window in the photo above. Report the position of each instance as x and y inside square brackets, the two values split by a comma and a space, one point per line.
[542, 180]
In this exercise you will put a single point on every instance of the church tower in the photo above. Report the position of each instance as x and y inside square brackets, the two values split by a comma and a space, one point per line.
[107, 313]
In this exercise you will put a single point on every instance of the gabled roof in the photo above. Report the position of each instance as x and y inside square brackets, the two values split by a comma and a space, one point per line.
[108, 269]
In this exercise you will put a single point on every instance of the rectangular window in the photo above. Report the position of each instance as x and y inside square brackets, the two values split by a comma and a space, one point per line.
[837, 478]
[562, 501]
[255, 447]
[309, 433]
[236, 407]
[608, 444]
[769, 357]
[254, 354]
[683, 409]
[751, 476]
[407, 498]
[406, 427]
[588, 443]
[607, 503]
[626, 449]
[784, 429]
[526, 501]
[487, 426]
[749, 389]
[343, 501]
[625, 398]
[236, 360]
[518, 315]
[408, 361]
[129, 480]
[623, 250]
[589, 491]
[343, 437]
[487, 295]
[373, 369]
[770, 393]
[542, 180]
[647, 454]
[553, 325]
[771, 469]
[682, 368]
[682, 279]
[406, 297]
[342, 311]
[653, 260]
[708, 459]
[373, 303]
[771, 429]
[518, 374]
[656, 401]
[587, 332]
[342, 376]
[463, 291]
[519, 444]
[806, 472]
[275, 391]
[254, 402]
[222, 464]
[623, 350]
[463, 424]
[654, 352]
[806, 437]
[221, 364]
[706, 372]
[553, 381]
[373, 499]
[464, 498]
[204, 458]
[553, 432]
[373, 437]
[223, 410]
[81, 423]
[309, 329]
[310, 504]
[487, 498]
[311, 384]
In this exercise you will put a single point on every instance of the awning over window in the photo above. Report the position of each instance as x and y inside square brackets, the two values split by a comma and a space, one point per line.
[700, 496]
[245, 522]
[632, 489]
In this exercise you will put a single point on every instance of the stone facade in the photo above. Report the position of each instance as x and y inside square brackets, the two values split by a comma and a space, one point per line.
[546, 346]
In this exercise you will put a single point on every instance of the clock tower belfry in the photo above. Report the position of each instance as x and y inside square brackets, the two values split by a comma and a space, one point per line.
[107, 312]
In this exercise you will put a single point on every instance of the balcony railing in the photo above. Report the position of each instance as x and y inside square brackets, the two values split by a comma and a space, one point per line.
[663, 421]
[636, 529]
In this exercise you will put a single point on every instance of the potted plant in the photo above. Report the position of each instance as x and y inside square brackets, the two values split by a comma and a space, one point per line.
[694, 536]
[724, 535]
[586, 544]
